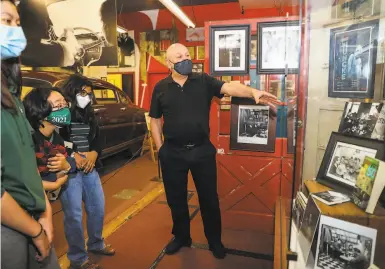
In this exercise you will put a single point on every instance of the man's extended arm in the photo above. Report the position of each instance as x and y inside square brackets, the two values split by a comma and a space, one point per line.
[156, 131]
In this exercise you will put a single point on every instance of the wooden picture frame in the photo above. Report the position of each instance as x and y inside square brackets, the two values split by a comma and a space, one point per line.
[343, 159]
[230, 50]
[191, 51]
[252, 126]
[200, 52]
[273, 51]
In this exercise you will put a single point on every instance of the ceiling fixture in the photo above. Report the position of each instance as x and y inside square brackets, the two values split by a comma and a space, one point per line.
[121, 30]
[178, 12]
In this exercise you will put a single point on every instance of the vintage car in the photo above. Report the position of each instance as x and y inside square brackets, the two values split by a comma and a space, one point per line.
[122, 123]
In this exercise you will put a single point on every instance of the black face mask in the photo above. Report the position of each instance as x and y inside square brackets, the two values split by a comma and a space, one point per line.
[184, 67]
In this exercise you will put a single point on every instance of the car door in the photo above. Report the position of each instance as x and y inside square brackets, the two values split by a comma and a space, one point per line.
[129, 111]
[108, 111]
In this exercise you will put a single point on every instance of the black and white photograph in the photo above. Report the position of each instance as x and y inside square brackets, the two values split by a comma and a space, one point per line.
[346, 162]
[331, 197]
[342, 9]
[253, 125]
[353, 53]
[69, 32]
[197, 68]
[126, 49]
[253, 49]
[343, 159]
[278, 47]
[344, 245]
[230, 50]
[379, 129]
[308, 227]
[360, 119]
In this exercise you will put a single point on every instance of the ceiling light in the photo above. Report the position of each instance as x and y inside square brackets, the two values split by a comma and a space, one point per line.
[177, 11]
[121, 29]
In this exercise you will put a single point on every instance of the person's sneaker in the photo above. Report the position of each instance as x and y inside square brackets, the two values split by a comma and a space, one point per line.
[175, 245]
[86, 265]
[218, 251]
[107, 251]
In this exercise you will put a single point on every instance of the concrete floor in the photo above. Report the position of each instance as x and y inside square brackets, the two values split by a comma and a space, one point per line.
[140, 239]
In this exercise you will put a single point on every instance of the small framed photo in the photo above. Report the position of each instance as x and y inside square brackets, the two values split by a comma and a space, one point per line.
[253, 49]
[342, 9]
[198, 68]
[252, 127]
[341, 242]
[278, 47]
[191, 51]
[229, 50]
[352, 62]
[291, 125]
[200, 54]
[343, 159]
[363, 120]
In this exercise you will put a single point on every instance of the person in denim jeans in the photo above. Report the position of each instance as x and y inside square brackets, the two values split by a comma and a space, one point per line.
[83, 136]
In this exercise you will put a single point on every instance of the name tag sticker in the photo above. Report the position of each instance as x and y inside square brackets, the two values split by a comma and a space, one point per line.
[69, 145]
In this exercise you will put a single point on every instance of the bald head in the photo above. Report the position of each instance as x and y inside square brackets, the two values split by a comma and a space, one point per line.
[176, 53]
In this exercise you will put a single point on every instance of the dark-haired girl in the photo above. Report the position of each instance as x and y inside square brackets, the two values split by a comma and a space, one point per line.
[26, 214]
[86, 185]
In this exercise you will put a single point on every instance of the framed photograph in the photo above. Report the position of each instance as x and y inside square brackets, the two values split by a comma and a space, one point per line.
[195, 34]
[191, 51]
[308, 227]
[229, 50]
[290, 91]
[342, 9]
[253, 49]
[278, 47]
[275, 87]
[197, 68]
[200, 54]
[252, 127]
[363, 120]
[341, 242]
[291, 125]
[343, 159]
[352, 63]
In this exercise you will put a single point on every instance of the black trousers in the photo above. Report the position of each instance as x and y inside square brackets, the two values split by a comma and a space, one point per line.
[176, 162]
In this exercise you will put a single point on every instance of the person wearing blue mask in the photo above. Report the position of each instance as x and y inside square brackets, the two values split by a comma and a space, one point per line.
[183, 99]
[26, 214]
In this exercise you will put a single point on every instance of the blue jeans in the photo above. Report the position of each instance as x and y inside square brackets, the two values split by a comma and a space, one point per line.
[86, 188]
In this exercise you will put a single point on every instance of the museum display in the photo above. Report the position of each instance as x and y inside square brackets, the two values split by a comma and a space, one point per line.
[126, 49]
[352, 62]
[343, 9]
[200, 53]
[370, 184]
[343, 159]
[342, 243]
[229, 50]
[252, 127]
[278, 47]
[363, 120]
[299, 208]
[331, 197]
[48, 28]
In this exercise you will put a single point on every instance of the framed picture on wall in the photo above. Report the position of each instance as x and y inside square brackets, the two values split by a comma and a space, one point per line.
[363, 120]
[191, 51]
[352, 63]
[343, 159]
[252, 127]
[229, 50]
[291, 125]
[342, 9]
[278, 47]
[253, 49]
[200, 54]
[198, 68]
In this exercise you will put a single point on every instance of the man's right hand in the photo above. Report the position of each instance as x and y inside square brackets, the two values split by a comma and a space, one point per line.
[42, 244]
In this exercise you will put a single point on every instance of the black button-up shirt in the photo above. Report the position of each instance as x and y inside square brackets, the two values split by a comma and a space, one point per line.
[185, 109]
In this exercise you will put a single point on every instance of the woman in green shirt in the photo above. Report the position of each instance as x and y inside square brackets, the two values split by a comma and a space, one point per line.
[26, 219]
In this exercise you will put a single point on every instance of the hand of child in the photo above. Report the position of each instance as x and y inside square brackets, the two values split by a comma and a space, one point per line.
[58, 163]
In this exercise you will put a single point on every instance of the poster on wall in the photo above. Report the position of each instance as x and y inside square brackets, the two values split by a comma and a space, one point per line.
[341, 242]
[343, 9]
[66, 33]
[197, 68]
[252, 127]
[126, 50]
[352, 63]
[278, 47]
[229, 50]
[195, 34]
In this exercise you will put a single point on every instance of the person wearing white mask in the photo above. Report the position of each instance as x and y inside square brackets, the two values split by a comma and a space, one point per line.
[83, 136]
[26, 214]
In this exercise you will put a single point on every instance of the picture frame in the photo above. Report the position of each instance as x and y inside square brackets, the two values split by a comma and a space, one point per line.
[356, 238]
[291, 125]
[253, 49]
[343, 159]
[352, 60]
[191, 51]
[252, 126]
[274, 55]
[200, 52]
[363, 120]
[342, 9]
[198, 68]
[230, 50]
[195, 34]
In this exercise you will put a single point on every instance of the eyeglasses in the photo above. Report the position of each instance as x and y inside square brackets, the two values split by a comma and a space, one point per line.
[84, 92]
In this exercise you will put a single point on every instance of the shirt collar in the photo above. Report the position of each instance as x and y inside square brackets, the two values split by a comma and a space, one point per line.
[192, 76]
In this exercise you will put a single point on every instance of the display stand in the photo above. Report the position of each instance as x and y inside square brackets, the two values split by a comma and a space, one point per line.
[351, 213]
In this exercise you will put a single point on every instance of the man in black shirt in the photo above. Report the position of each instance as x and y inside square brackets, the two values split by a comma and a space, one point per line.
[184, 100]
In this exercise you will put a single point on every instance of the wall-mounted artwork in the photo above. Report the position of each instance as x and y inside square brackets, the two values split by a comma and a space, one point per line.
[126, 49]
[200, 53]
[195, 34]
[352, 63]
[198, 68]
[191, 51]
[343, 9]
[278, 47]
[291, 125]
[230, 50]
[69, 33]
[253, 49]
[253, 127]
